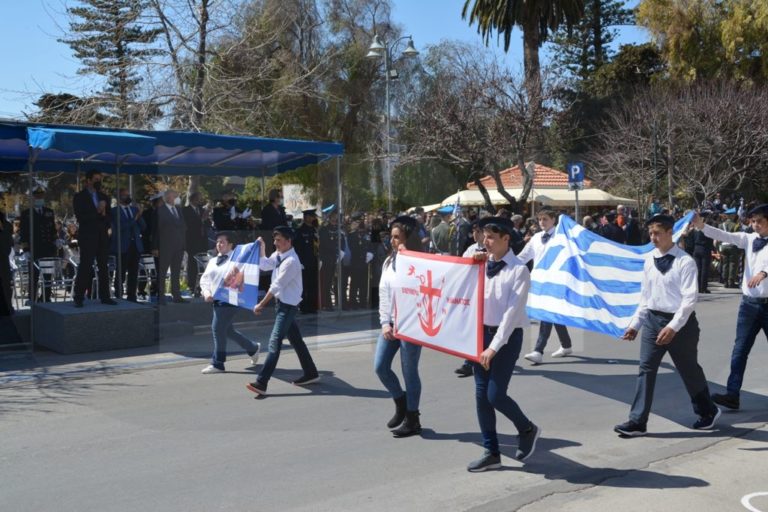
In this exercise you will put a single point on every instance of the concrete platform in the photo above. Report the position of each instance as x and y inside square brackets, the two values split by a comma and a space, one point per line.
[63, 328]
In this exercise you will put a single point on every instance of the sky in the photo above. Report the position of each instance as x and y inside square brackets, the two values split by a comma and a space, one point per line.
[34, 62]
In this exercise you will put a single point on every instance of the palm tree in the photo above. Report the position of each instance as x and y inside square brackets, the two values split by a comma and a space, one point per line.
[535, 17]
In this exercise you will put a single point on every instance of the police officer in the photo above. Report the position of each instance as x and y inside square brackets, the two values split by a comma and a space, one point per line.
[329, 256]
[305, 244]
[362, 254]
[43, 239]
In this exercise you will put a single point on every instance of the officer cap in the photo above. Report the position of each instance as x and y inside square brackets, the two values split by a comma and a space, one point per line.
[311, 211]
[445, 210]
[285, 231]
[665, 220]
[501, 223]
[761, 210]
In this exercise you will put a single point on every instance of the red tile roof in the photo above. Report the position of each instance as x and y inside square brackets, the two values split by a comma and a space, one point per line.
[544, 177]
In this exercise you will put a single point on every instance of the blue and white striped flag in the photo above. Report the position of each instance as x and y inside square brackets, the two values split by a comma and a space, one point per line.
[240, 283]
[587, 281]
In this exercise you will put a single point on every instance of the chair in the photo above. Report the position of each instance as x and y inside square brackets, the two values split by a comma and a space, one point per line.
[202, 259]
[21, 279]
[52, 277]
[147, 269]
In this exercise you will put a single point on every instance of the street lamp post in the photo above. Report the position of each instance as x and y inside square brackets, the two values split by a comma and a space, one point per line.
[377, 50]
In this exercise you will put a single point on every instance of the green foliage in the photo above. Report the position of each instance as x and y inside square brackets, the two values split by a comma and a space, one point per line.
[710, 38]
[111, 39]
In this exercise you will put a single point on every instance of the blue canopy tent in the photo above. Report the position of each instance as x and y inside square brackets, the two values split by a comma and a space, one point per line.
[30, 147]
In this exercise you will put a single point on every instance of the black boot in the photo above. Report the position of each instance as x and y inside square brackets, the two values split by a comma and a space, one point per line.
[410, 427]
[399, 416]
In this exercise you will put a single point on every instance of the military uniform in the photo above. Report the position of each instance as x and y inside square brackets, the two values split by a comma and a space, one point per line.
[329, 255]
[43, 243]
[305, 244]
[360, 246]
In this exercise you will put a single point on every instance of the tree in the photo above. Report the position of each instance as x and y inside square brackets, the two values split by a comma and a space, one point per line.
[584, 48]
[476, 117]
[536, 18]
[710, 38]
[705, 138]
[110, 39]
[65, 108]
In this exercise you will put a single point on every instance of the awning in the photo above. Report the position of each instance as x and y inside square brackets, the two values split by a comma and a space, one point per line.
[73, 149]
[550, 197]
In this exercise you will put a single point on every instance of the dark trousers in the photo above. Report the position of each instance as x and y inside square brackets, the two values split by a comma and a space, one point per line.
[192, 271]
[358, 284]
[309, 295]
[285, 326]
[491, 389]
[91, 249]
[545, 330]
[34, 279]
[703, 261]
[729, 264]
[328, 283]
[752, 318]
[222, 328]
[169, 259]
[129, 263]
[684, 353]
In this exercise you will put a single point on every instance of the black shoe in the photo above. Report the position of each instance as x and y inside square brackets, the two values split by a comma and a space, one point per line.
[708, 421]
[410, 427]
[729, 401]
[484, 463]
[78, 303]
[306, 379]
[464, 370]
[526, 443]
[109, 302]
[257, 387]
[630, 429]
[397, 419]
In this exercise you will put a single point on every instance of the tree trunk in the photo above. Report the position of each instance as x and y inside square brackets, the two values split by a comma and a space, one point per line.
[597, 31]
[198, 108]
[531, 43]
[527, 179]
[500, 188]
[484, 191]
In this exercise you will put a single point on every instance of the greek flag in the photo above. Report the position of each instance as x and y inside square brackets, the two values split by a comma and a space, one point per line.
[587, 281]
[239, 282]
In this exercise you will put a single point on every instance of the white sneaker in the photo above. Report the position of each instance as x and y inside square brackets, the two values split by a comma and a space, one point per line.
[562, 352]
[211, 369]
[255, 357]
[534, 357]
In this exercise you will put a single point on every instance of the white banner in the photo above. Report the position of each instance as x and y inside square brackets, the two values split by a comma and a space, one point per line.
[438, 302]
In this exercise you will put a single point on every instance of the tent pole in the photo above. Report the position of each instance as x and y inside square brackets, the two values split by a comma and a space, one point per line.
[30, 261]
[339, 227]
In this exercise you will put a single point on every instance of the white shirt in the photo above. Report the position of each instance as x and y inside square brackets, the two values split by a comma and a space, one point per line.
[535, 247]
[473, 249]
[286, 277]
[213, 275]
[674, 292]
[385, 293]
[505, 297]
[754, 262]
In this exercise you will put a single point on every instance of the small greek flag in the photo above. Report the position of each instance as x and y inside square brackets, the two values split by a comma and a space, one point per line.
[587, 281]
[239, 284]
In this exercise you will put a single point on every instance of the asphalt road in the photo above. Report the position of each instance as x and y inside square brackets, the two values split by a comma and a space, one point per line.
[99, 436]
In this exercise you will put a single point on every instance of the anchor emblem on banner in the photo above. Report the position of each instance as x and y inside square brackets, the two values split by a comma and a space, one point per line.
[429, 307]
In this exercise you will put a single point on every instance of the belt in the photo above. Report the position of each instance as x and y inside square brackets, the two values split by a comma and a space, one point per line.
[758, 300]
[490, 328]
[662, 314]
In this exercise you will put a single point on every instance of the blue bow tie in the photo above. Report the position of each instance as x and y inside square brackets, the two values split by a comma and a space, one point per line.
[664, 263]
[221, 259]
[545, 238]
[759, 243]
[494, 267]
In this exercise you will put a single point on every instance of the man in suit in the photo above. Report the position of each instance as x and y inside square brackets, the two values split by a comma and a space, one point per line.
[94, 220]
[168, 239]
[127, 227]
[43, 238]
[273, 214]
[196, 219]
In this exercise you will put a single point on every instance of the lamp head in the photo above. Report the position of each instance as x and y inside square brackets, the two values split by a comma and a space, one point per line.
[410, 50]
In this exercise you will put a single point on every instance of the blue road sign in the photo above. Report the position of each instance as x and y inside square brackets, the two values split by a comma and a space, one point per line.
[575, 172]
